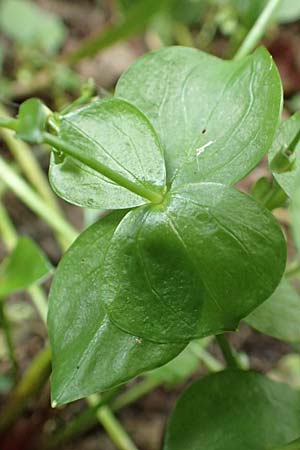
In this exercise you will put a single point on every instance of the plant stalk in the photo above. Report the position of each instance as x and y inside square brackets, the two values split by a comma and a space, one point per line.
[112, 426]
[227, 352]
[258, 30]
[34, 201]
[31, 168]
[31, 383]
[5, 325]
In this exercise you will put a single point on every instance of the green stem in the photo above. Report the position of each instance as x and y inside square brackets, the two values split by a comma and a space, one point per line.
[292, 269]
[227, 352]
[211, 363]
[4, 323]
[8, 233]
[112, 426]
[136, 187]
[31, 383]
[258, 29]
[34, 201]
[10, 238]
[135, 393]
[7, 122]
[32, 170]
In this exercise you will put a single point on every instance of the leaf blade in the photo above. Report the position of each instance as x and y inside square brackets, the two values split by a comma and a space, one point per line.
[90, 354]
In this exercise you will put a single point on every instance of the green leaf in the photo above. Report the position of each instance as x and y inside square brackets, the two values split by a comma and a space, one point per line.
[32, 118]
[180, 368]
[27, 24]
[216, 119]
[23, 267]
[287, 141]
[295, 212]
[289, 11]
[193, 266]
[234, 410]
[89, 353]
[279, 316]
[118, 135]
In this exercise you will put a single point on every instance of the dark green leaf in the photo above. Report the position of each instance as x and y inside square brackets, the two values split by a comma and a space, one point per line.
[216, 119]
[234, 410]
[287, 140]
[90, 354]
[32, 121]
[27, 24]
[23, 267]
[118, 135]
[279, 316]
[193, 266]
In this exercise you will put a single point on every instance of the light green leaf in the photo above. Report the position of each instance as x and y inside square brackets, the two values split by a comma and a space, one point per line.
[27, 24]
[89, 353]
[279, 316]
[118, 135]
[32, 118]
[234, 410]
[193, 266]
[287, 140]
[289, 11]
[23, 267]
[180, 368]
[295, 212]
[215, 119]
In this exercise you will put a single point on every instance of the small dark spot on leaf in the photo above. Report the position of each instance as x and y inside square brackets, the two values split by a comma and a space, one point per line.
[204, 130]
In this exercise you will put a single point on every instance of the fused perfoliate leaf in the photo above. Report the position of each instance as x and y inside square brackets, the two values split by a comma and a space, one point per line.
[193, 266]
[89, 353]
[234, 410]
[119, 136]
[216, 119]
[24, 266]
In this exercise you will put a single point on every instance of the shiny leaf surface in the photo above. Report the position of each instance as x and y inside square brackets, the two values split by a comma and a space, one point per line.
[119, 136]
[216, 119]
[193, 266]
[89, 353]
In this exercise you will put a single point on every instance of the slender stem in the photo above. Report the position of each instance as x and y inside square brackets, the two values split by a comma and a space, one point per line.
[258, 29]
[4, 323]
[292, 269]
[211, 363]
[227, 352]
[136, 187]
[135, 392]
[32, 170]
[10, 237]
[34, 201]
[31, 383]
[112, 426]
[8, 233]
[7, 122]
